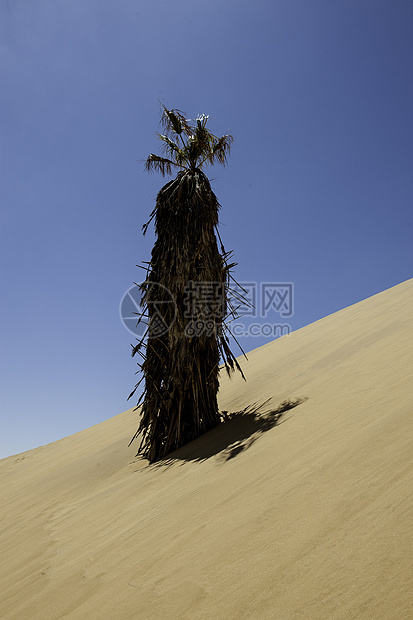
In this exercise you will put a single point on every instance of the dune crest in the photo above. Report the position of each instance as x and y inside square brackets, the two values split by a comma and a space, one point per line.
[306, 514]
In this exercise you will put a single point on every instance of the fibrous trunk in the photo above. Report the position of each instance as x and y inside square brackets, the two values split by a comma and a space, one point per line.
[185, 302]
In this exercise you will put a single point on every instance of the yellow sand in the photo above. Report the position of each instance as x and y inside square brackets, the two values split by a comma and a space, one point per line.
[310, 519]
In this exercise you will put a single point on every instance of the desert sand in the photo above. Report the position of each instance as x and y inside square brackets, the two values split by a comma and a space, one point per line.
[307, 518]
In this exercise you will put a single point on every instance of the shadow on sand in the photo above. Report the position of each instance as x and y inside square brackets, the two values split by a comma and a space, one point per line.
[237, 432]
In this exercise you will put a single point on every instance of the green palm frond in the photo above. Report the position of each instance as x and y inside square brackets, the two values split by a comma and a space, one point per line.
[171, 149]
[203, 138]
[188, 145]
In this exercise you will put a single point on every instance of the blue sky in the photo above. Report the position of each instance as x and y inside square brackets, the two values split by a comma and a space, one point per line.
[318, 191]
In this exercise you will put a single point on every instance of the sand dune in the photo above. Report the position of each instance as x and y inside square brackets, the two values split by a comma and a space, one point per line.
[307, 518]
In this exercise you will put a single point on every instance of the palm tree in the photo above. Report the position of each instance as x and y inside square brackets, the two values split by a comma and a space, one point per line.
[185, 293]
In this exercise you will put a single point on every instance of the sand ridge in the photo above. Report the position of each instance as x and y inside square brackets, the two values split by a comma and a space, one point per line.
[308, 518]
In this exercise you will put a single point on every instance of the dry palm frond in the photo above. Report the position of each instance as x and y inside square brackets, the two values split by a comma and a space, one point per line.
[160, 164]
[221, 149]
[174, 121]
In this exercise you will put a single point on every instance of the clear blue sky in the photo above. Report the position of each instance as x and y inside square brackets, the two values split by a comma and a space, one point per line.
[318, 190]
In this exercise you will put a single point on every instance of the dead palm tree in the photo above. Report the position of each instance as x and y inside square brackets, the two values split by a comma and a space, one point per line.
[185, 294]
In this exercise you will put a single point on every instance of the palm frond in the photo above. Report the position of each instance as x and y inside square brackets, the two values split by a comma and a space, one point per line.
[155, 163]
[192, 152]
[203, 138]
[221, 149]
[172, 150]
[187, 146]
[171, 145]
[174, 121]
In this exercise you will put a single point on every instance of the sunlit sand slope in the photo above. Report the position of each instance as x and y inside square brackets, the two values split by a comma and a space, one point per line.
[306, 518]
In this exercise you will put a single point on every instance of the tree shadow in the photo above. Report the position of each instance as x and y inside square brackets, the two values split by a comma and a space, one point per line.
[238, 431]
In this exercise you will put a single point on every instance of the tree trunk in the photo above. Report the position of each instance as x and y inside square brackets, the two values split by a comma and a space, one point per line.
[185, 299]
